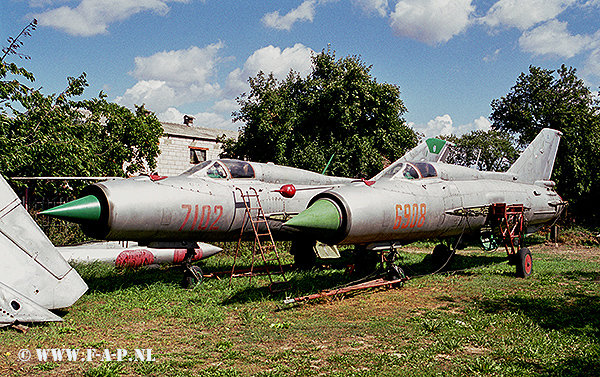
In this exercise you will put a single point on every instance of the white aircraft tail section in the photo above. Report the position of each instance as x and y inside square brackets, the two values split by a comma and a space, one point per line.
[34, 277]
[537, 160]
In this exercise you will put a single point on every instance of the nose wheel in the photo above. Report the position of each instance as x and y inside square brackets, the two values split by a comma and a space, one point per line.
[192, 275]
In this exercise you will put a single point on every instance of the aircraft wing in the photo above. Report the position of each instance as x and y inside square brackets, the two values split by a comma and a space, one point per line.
[34, 277]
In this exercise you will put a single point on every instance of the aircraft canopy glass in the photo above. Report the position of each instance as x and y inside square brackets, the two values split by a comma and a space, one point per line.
[220, 169]
[407, 170]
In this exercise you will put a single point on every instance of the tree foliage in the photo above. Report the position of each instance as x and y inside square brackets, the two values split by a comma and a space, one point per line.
[338, 110]
[55, 135]
[559, 100]
[485, 150]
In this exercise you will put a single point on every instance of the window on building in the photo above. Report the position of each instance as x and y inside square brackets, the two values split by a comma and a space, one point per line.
[197, 155]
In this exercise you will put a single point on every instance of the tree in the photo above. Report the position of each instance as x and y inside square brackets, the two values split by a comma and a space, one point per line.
[559, 100]
[54, 135]
[338, 110]
[488, 150]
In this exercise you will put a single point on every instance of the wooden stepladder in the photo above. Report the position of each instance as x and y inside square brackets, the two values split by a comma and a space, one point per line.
[263, 242]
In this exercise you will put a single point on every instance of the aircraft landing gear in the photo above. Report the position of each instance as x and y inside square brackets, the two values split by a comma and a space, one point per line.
[365, 261]
[192, 275]
[304, 254]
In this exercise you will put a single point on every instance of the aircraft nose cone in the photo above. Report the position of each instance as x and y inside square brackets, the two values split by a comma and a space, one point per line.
[80, 210]
[322, 215]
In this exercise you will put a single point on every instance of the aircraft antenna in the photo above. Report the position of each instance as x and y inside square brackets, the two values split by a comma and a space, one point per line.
[328, 162]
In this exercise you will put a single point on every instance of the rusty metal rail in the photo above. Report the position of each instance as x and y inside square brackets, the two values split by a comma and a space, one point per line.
[333, 292]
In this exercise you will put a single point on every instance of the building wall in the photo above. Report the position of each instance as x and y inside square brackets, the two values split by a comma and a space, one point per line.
[174, 158]
[179, 139]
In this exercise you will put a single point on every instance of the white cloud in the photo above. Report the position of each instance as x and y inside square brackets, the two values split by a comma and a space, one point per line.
[194, 64]
[378, 7]
[523, 14]
[305, 12]
[271, 59]
[592, 63]
[553, 38]
[431, 21]
[204, 119]
[172, 78]
[92, 17]
[443, 125]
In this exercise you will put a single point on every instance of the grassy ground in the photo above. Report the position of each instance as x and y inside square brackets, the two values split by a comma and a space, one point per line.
[481, 321]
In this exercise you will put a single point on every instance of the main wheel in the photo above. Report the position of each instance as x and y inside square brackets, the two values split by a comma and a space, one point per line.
[441, 257]
[524, 263]
[192, 277]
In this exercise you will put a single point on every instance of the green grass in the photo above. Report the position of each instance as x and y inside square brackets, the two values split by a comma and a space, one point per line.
[477, 321]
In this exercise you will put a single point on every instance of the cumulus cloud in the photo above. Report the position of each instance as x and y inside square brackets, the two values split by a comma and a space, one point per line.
[523, 14]
[172, 78]
[443, 125]
[431, 21]
[377, 7]
[305, 12]
[92, 17]
[553, 38]
[592, 64]
[271, 59]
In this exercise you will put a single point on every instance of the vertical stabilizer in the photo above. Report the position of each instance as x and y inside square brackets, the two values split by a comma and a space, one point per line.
[34, 277]
[537, 161]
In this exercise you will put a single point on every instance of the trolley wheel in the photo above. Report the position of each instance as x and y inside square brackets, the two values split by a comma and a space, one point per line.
[192, 277]
[524, 263]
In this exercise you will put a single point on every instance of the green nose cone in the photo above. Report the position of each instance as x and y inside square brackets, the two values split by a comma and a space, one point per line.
[83, 209]
[322, 215]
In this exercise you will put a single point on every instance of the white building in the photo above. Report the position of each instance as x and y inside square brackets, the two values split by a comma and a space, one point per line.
[183, 145]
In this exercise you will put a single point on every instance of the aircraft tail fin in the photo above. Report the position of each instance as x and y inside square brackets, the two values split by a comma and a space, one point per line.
[537, 160]
[34, 277]
[431, 150]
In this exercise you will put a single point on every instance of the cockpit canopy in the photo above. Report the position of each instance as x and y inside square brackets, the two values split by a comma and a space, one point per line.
[221, 169]
[408, 170]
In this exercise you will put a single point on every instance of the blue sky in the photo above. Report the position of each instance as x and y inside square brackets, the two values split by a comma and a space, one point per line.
[450, 58]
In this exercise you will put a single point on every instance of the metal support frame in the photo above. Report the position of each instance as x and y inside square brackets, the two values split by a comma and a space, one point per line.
[510, 221]
[263, 241]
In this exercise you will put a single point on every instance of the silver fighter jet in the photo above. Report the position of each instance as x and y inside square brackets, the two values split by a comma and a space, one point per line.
[414, 199]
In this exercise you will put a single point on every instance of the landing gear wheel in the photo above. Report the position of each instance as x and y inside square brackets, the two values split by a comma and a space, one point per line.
[441, 257]
[524, 263]
[395, 273]
[192, 277]
[365, 261]
[304, 254]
